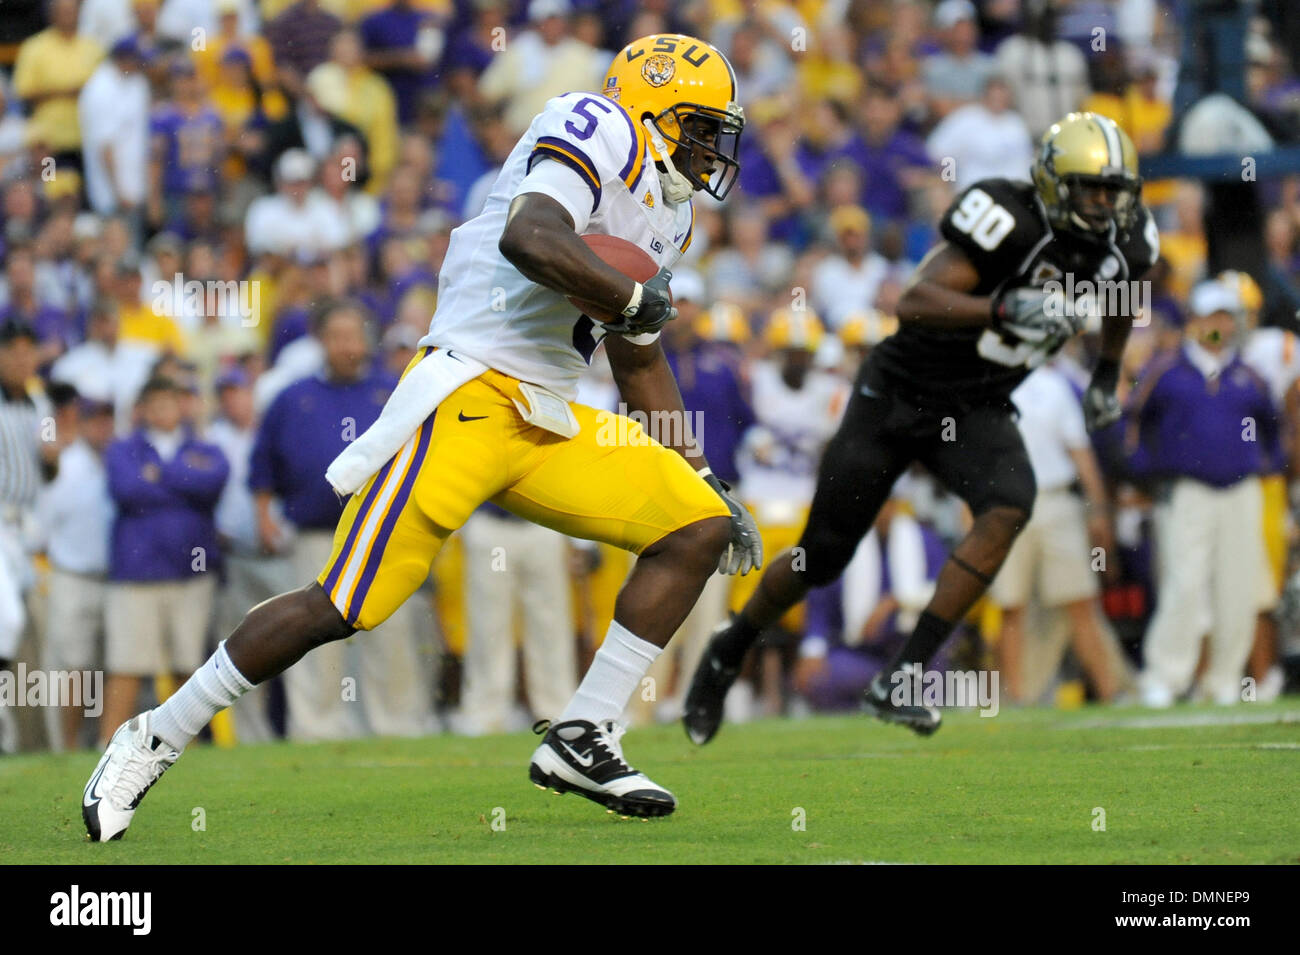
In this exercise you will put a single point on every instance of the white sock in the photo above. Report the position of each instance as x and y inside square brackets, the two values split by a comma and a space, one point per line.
[213, 687]
[617, 668]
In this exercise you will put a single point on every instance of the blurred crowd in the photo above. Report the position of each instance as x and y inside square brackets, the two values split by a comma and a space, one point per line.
[222, 224]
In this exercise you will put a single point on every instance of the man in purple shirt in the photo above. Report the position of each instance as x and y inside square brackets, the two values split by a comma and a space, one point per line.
[300, 39]
[403, 42]
[187, 147]
[164, 556]
[894, 160]
[303, 430]
[1202, 427]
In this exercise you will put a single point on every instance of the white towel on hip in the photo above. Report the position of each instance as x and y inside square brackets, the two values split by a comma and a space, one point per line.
[416, 397]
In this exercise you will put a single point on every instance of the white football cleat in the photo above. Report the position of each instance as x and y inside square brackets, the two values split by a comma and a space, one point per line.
[587, 759]
[133, 761]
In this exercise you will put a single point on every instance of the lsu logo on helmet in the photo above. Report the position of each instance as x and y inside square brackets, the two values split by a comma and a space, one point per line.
[658, 70]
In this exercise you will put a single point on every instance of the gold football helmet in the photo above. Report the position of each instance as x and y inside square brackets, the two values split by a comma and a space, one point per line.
[798, 329]
[683, 91]
[1086, 174]
[867, 328]
[724, 322]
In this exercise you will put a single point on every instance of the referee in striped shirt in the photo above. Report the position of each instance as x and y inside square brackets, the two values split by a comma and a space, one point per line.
[26, 461]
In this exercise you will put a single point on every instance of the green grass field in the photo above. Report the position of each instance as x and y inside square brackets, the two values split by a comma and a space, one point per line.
[1191, 785]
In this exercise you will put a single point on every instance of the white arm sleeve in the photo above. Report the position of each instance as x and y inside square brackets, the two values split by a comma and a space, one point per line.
[565, 186]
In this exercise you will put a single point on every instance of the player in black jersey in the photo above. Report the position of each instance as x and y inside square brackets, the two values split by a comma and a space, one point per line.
[989, 303]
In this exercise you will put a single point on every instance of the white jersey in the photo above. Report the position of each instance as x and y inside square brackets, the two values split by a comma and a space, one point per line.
[603, 175]
[779, 455]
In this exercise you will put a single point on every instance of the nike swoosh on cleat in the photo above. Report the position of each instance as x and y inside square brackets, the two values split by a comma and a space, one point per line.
[477, 417]
[90, 789]
[585, 760]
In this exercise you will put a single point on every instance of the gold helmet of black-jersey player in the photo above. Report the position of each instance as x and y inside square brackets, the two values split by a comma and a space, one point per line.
[1086, 173]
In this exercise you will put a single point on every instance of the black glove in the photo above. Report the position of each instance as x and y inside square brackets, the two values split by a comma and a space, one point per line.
[1100, 405]
[745, 552]
[653, 311]
[1026, 314]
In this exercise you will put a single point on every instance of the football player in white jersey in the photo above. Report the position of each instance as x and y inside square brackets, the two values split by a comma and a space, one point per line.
[624, 161]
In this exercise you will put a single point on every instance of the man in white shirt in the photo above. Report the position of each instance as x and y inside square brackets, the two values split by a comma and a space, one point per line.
[297, 217]
[849, 280]
[955, 75]
[75, 512]
[1051, 564]
[1048, 75]
[983, 140]
[114, 112]
[105, 369]
[543, 61]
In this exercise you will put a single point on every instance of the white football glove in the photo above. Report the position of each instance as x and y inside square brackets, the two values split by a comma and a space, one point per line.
[1026, 313]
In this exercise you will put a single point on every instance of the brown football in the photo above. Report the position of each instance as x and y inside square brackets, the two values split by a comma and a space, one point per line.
[627, 257]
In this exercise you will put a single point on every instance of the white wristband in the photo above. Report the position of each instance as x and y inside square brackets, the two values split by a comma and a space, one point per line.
[634, 303]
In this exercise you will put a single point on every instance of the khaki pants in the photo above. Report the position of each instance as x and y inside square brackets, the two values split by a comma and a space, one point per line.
[1211, 561]
[377, 681]
[1050, 558]
[74, 621]
[509, 565]
[158, 626]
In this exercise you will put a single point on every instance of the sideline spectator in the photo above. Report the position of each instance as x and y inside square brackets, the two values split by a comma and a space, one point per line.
[164, 556]
[76, 514]
[52, 68]
[1052, 562]
[114, 113]
[512, 565]
[1202, 425]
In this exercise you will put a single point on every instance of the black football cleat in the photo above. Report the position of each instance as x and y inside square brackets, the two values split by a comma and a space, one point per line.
[587, 758]
[922, 720]
[702, 711]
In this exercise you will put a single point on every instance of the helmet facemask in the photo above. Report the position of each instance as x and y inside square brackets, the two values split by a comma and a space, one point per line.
[1094, 205]
[706, 142]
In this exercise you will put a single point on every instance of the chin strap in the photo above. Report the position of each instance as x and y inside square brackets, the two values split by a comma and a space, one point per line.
[676, 187]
